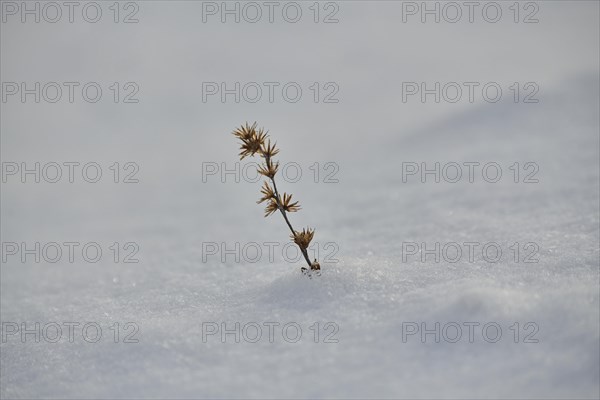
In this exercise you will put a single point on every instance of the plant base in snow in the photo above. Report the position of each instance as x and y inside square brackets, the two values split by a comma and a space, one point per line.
[315, 269]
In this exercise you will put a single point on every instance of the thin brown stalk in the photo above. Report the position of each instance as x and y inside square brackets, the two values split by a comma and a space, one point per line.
[304, 252]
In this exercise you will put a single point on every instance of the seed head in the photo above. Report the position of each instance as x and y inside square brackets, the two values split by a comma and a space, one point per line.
[268, 150]
[269, 169]
[245, 133]
[252, 139]
[271, 207]
[287, 204]
[302, 239]
[267, 192]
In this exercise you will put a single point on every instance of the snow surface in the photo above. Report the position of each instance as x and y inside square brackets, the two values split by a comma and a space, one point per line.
[368, 294]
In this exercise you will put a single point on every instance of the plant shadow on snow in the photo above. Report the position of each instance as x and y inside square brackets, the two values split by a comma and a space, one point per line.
[297, 291]
[349, 282]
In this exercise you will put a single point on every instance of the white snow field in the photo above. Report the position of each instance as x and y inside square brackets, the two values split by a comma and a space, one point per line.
[369, 303]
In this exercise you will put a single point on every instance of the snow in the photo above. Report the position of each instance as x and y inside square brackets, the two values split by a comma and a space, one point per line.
[371, 294]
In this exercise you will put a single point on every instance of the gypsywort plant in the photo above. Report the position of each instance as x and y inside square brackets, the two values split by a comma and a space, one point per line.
[256, 141]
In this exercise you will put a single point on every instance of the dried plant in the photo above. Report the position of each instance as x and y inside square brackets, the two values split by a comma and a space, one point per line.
[255, 141]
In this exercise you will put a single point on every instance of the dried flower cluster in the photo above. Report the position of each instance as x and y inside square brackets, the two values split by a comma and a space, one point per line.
[255, 141]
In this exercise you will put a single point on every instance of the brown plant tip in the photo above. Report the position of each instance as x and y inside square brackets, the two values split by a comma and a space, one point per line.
[287, 204]
[245, 132]
[267, 192]
[252, 140]
[303, 239]
[269, 169]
